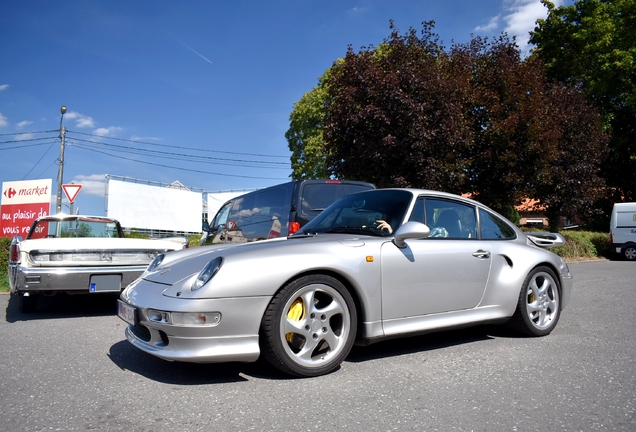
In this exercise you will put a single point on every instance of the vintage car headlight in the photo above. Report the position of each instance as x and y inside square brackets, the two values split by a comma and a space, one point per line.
[207, 273]
[155, 262]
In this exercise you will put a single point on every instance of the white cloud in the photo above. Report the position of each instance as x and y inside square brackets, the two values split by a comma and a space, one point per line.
[492, 25]
[24, 136]
[94, 184]
[520, 18]
[24, 123]
[3, 120]
[4, 87]
[107, 131]
[81, 120]
[138, 138]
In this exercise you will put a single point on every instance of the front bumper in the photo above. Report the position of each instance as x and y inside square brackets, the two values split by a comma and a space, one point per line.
[43, 280]
[233, 338]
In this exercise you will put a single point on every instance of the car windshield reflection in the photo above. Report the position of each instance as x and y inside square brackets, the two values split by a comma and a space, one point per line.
[375, 213]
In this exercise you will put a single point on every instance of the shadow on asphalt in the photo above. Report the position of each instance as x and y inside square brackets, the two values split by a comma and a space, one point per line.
[127, 357]
[64, 306]
[428, 342]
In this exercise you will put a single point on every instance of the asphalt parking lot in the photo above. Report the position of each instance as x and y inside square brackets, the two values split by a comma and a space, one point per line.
[68, 367]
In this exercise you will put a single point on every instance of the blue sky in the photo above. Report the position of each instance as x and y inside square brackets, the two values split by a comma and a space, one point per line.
[174, 77]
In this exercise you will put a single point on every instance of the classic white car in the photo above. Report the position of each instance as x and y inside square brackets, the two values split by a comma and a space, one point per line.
[78, 254]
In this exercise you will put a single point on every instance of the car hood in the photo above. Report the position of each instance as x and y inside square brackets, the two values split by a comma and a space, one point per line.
[184, 264]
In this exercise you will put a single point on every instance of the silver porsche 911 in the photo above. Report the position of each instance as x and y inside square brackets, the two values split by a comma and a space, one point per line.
[373, 265]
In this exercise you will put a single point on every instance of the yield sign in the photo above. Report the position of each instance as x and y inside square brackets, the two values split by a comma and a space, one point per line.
[71, 191]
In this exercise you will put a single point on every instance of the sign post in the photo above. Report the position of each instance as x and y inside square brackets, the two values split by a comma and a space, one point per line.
[71, 191]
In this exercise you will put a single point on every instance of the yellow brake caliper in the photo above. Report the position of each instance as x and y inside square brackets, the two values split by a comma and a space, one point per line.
[296, 313]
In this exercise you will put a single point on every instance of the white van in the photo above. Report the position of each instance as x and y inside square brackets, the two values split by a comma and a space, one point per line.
[623, 230]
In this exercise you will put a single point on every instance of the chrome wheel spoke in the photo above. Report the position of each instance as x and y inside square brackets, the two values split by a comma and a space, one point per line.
[542, 300]
[321, 332]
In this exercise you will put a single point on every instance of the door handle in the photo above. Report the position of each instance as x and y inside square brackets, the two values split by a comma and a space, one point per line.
[482, 254]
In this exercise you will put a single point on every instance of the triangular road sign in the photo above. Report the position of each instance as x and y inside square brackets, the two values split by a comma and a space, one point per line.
[71, 191]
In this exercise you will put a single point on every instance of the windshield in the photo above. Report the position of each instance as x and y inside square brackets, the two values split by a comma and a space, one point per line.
[76, 227]
[363, 213]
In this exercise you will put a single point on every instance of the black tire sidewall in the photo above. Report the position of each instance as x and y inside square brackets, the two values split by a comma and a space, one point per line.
[273, 348]
[624, 252]
[523, 322]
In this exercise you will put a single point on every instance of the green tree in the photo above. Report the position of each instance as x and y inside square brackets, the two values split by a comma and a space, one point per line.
[394, 115]
[305, 133]
[593, 43]
[476, 118]
[570, 184]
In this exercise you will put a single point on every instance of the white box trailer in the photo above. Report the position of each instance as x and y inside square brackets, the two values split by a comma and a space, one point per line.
[623, 230]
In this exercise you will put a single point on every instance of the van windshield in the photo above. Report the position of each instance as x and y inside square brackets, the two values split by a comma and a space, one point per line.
[318, 196]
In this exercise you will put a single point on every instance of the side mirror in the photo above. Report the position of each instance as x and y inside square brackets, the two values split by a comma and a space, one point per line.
[410, 230]
[206, 227]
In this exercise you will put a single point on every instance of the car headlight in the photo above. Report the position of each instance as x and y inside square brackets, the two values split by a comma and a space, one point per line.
[155, 262]
[207, 273]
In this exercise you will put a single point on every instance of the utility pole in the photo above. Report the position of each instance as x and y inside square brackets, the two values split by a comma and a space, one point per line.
[60, 172]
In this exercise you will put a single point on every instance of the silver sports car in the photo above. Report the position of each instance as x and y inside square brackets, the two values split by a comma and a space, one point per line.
[373, 265]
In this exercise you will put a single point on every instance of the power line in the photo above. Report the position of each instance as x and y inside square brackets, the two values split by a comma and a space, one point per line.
[187, 157]
[179, 147]
[189, 169]
[26, 132]
[26, 140]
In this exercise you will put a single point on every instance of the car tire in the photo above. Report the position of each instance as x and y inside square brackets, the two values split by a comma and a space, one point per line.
[539, 306]
[27, 304]
[309, 326]
[629, 252]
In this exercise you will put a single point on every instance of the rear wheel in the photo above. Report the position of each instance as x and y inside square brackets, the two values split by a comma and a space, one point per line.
[539, 305]
[27, 304]
[309, 327]
[629, 252]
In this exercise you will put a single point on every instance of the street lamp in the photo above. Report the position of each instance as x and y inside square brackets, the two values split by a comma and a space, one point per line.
[60, 172]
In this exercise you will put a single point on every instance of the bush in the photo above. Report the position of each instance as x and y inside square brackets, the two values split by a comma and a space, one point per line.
[4, 261]
[583, 245]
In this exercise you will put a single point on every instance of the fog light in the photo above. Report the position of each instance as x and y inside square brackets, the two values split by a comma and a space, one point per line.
[158, 316]
[196, 318]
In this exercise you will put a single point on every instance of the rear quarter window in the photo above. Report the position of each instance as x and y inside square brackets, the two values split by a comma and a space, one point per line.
[494, 228]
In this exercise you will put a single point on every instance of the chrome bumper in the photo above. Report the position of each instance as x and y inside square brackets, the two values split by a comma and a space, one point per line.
[69, 279]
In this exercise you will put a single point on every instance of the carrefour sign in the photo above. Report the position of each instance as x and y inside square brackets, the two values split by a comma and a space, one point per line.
[22, 202]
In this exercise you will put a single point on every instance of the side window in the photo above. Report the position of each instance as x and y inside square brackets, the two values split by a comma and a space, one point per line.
[241, 212]
[450, 219]
[221, 216]
[259, 215]
[493, 228]
[418, 211]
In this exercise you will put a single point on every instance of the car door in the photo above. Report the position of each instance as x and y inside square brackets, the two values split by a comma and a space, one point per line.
[445, 272]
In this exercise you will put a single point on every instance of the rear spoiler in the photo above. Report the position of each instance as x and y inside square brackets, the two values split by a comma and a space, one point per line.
[546, 240]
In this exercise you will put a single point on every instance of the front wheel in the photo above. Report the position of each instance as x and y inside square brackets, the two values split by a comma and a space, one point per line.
[539, 305]
[629, 253]
[309, 327]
